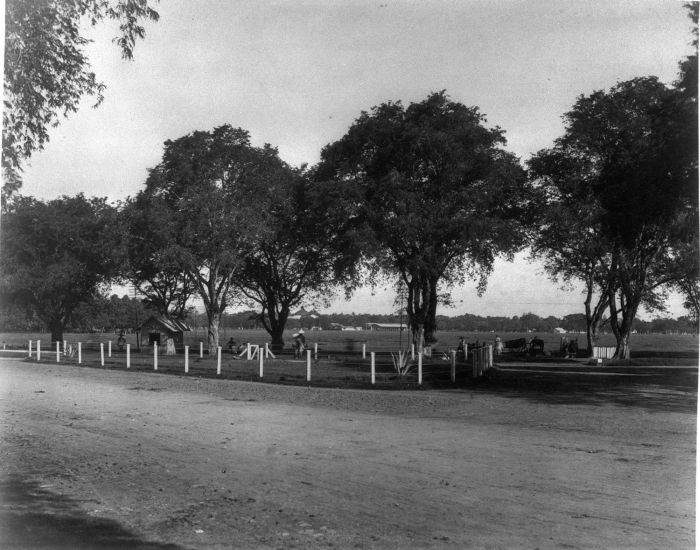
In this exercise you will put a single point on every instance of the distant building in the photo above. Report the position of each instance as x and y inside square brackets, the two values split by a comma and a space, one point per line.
[560, 330]
[159, 328]
[385, 327]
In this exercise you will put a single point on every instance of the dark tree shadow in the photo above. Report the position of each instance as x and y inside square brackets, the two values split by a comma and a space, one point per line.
[32, 517]
[662, 389]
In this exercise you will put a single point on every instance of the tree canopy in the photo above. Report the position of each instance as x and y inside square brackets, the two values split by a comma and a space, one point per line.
[56, 255]
[47, 71]
[206, 188]
[438, 192]
[626, 170]
[312, 247]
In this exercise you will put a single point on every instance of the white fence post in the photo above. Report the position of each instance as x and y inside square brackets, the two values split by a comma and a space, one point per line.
[267, 351]
[109, 348]
[420, 368]
[218, 360]
[260, 359]
[413, 352]
[128, 356]
[155, 355]
[490, 356]
[308, 365]
[65, 346]
[247, 353]
[453, 365]
[102, 354]
[364, 351]
[371, 355]
[316, 351]
[58, 352]
[80, 353]
[38, 350]
[187, 359]
[201, 350]
[30, 349]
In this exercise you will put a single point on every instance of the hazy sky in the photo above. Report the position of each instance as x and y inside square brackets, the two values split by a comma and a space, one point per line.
[296, 74]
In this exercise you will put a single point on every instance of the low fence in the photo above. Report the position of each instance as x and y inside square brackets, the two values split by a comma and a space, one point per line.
[603, 352]
[482, 360]
[258, 362]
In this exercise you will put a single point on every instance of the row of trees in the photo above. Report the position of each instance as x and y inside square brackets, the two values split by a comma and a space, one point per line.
[423, 196]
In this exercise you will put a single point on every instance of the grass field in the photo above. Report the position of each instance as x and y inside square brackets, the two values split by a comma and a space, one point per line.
[340, 363]
[643, 345]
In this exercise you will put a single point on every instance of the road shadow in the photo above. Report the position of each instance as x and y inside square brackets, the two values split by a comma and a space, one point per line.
[662, 389]
[32, 517]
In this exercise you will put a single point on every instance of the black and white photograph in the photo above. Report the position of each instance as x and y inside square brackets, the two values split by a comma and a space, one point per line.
[349, 274]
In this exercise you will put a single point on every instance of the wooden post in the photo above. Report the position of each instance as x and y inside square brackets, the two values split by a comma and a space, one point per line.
[155, 355]
[58, 352]
[102, 354]
[201, 350]
[38, 350]
[128, 356]
[308, 365]
[247, 355]
[80, 353]
[420, 368]
[371, 355]
[187, 359]
[218, 360]
[364, 351]
[490, 356]
[260, 359]
[453, 365]
[30, 349]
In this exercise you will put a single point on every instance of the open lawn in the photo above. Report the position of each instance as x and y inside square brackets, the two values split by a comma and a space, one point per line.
[643, 345]
[533, 456]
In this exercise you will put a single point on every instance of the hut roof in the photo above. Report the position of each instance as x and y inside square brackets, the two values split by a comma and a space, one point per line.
[173, 325]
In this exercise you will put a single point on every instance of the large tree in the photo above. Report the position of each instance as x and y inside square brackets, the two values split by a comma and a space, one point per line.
[209, 181]
[47, 71]
[566, 233]
[153, 260]
[56, 255]
[311, 247]
[632, 166]
[439, 194]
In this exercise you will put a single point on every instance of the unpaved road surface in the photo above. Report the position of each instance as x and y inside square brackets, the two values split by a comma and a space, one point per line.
[106, 459]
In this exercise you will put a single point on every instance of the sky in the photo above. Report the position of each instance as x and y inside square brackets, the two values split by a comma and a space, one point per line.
[296, 74]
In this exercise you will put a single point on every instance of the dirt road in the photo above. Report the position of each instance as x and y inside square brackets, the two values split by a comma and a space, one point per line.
[153, 461]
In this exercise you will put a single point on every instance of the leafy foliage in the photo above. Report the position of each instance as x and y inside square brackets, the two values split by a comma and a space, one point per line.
[56, 255]
[311, 246]
[207, 185]
[47, 72]
[439, 195]
[621, 188]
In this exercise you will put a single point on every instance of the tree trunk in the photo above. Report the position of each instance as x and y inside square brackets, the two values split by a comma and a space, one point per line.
[214, 318]
[56, 331]
[622, 350]
[418, 337]
[430, 323]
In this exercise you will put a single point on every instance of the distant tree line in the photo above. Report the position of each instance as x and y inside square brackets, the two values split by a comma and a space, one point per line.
[115, 314]
[422, 197]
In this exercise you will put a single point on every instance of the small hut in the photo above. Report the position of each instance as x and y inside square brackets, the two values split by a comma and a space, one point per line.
[159, 328]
